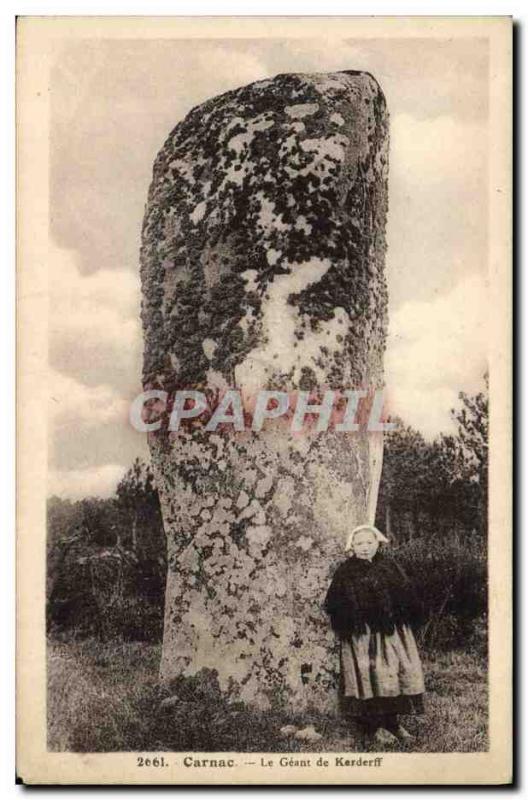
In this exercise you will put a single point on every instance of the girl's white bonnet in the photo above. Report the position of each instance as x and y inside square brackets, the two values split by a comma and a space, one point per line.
[378, 534]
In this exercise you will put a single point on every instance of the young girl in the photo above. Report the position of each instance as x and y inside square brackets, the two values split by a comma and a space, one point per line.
[372, 606]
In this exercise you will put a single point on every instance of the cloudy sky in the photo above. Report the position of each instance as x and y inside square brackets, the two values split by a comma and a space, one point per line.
[113, 104]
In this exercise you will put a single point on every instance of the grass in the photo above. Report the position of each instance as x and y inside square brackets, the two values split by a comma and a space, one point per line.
[105, 698]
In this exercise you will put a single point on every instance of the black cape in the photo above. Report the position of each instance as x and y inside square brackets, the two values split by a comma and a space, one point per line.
[376, 593]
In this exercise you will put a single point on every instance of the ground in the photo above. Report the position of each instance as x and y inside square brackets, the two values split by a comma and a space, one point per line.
[105, 697]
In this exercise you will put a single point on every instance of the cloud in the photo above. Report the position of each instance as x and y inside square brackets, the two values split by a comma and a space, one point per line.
[94, 329]
[437, 224]
[90, 482]
[95, 370]
[228, 68]
[439, 151]
[422, 77]
[74, 404]
[436, 349]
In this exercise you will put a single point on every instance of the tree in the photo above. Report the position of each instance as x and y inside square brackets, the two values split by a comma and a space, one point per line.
[138, 504]
[430, 488]
[402, 482]
[470, 466]
[141, 529]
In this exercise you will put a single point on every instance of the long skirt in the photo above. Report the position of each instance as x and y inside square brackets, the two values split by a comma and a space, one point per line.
[381, 674]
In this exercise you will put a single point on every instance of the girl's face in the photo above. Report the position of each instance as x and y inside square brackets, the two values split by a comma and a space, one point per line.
[365, 545]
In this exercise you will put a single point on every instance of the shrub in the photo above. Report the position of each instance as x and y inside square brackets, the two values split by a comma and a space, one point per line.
[450, 575]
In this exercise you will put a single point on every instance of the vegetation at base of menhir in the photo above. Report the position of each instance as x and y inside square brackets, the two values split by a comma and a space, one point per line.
[107, 564]
[106, 697]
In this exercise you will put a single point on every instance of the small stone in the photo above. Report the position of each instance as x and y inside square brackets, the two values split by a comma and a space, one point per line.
[288, 730]
[308, 734]
[169, 702]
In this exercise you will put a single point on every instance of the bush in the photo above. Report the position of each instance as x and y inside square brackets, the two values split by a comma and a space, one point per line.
[450, 575]
[454, 633]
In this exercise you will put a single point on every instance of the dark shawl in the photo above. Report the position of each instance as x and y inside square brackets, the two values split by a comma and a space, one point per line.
[376, 593]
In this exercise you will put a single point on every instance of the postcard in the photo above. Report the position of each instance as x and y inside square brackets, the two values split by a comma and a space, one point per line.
[264, 400]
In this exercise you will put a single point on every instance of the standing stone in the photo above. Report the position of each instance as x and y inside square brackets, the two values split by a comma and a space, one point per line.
[262, 267]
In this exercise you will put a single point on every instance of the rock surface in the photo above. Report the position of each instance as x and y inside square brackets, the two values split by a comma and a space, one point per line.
[262, 267]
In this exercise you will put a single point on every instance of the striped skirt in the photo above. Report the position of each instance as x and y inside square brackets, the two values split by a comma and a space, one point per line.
[382, 674]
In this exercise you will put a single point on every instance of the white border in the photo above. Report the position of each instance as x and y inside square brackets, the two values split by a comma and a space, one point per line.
[8, 11]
